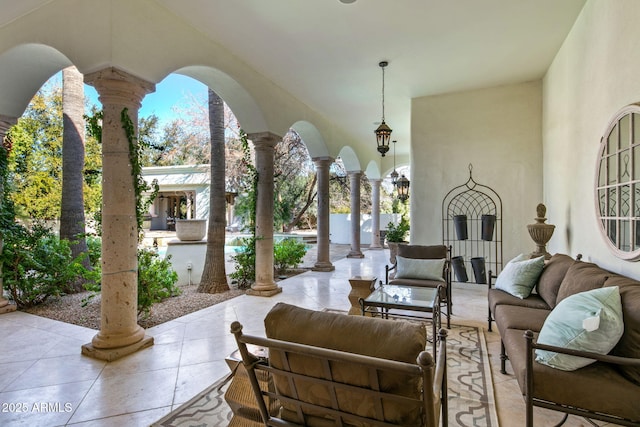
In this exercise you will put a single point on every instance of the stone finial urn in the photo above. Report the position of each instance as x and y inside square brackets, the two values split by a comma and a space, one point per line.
[541, 233]
[190, 230]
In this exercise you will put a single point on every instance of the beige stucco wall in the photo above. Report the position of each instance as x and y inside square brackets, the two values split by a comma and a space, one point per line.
[498, 130]
[594, 75]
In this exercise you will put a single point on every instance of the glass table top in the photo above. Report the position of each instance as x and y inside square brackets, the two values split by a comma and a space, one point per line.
[411, 296]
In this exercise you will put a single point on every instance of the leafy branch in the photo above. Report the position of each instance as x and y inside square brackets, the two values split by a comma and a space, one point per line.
[140, 186]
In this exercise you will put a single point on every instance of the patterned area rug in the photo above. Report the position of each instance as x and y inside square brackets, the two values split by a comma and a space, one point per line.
[471, 399]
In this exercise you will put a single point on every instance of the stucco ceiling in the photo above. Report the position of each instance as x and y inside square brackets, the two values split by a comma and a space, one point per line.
[326, 53]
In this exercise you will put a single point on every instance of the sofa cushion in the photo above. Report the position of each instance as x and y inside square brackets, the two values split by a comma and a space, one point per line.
[520, 275]
[601, 387]
[587, 321]
[551, 278]
[497, 297]
[422, 251]
[513, 317]
[403, 341]
[629, 344]
[413, 268]
[581, 277]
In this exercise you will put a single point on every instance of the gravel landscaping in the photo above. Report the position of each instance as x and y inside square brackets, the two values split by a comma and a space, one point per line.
[69, 308]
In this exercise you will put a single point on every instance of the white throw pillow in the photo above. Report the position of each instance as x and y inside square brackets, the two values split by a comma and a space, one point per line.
[520, 276]
[587, 321]
[427, 269]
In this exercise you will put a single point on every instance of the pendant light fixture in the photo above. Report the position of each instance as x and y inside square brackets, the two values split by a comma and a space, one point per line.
[383, 132]
[394, 174]
[403, 188]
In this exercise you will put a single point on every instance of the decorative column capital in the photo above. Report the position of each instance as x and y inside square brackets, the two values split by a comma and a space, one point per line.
[118, 87]
[355, 173]
[264, 139]
[323, 160]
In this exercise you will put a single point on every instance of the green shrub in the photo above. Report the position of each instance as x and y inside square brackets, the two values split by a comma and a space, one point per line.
[156, 280]
[245, 259]
[37, 264]
[398, 233]
[288, 253]
[95, 250]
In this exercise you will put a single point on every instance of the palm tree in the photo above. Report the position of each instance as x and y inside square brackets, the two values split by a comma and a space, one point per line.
[72, 222]
[214, 276]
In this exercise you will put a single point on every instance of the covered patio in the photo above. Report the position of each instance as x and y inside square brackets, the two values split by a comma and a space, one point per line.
[40, 361]
[523, 90]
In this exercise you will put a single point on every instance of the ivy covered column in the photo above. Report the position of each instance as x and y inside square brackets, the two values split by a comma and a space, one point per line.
[354, 183]
[5, 123]
[120, 94]
[264, 144]
[375, 214]
[323, 261]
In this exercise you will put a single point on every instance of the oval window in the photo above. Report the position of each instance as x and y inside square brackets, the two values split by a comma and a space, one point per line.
[618, 184]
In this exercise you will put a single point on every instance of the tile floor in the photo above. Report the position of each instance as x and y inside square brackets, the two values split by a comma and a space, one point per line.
[45, 381]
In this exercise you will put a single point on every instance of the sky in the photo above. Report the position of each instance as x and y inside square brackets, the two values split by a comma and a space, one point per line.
[174, 90]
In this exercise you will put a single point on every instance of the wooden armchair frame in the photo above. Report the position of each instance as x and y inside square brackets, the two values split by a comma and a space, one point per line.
[433, 399]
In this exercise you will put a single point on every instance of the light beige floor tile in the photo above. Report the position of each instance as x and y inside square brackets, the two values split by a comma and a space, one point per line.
[121, 395]
[156, 357]
[43, 406]
[192, 379]
[10, 371]
[68, 369]
[141, 418]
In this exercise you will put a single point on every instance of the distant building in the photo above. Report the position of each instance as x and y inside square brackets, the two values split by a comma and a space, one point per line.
[184, 194]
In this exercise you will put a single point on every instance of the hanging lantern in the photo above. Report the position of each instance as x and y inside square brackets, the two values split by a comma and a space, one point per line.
[383, 132]
[403, 188]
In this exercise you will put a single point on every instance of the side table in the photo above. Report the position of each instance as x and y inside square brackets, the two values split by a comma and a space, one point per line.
[361, 287]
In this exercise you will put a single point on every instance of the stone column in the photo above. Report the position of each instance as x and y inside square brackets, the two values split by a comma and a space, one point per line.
[354, 182]
[119, 333]
[189, 204]
[323, 259]
[264, 285]
[375, 214]
[5, 123]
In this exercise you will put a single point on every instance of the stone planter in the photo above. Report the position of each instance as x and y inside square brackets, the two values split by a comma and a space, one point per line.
[190, 230]
[393, 250]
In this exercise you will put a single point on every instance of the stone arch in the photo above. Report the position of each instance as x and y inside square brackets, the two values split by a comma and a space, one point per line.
[312, 138]
[23, 70]
[349, 159]
[372, 171]
[243, 105]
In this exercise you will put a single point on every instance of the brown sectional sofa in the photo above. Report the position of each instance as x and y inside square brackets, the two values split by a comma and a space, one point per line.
[608, 389]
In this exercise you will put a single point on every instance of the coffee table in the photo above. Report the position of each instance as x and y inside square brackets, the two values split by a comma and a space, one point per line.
[406, 298]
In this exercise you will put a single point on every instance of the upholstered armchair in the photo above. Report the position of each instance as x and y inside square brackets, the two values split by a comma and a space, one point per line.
[428, 266]
[335, 369]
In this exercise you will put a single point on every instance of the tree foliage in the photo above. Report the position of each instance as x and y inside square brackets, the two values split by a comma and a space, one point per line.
[35, 163]
[294, 182]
